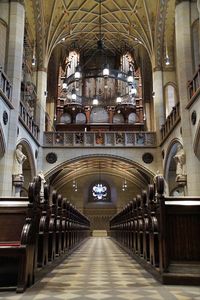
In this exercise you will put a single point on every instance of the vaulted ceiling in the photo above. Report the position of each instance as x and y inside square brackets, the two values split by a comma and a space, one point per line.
[125, 23]
[145, 27]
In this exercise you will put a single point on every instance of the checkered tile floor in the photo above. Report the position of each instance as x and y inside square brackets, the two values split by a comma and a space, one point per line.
[100, 270]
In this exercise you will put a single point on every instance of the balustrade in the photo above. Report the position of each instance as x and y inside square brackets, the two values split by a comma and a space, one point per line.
[171, 121]
[28, 121]
[194, 85]
[5, 86]
[100, 139]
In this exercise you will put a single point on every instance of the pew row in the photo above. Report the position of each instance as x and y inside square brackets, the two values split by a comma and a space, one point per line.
[162, 234]
[35, 230]
[19, 220]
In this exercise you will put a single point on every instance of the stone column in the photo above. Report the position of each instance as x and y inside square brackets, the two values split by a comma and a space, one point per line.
[41, 102]
[184, 74]
[159, 115]
[198, 6]
[14, 72]
[41, 83]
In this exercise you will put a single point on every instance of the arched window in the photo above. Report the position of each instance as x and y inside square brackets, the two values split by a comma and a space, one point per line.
[170, 98]
[65, 118]
[99, 191]
[99, 115]
[80, 118]
[118, 118]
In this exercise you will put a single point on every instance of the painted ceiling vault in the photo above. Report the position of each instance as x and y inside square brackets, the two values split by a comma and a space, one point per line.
[144, 27]
[129, 24]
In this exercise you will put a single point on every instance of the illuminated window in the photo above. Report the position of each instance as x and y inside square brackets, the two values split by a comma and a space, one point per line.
[99, 192]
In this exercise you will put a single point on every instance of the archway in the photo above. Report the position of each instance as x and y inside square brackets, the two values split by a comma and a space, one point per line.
[170, 170]
[28, 167]
[73, 179]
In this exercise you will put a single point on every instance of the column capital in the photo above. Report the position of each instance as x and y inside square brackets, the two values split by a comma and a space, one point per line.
[180, 1]
[198, 5]
[157, 68]
[18, 1]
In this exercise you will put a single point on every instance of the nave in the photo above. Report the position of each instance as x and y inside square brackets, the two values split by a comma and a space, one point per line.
[99, 269]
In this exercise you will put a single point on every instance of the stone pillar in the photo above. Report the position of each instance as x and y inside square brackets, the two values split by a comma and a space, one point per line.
[159, 116]
[198, 6]
[41, 102]
[41, 83]
[184, 74]
[14, 72]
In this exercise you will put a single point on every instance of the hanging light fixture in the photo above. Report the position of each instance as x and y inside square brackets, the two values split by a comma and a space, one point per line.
[95, 101]
[64, 86]
[106, 71]
[76, 187]
[81, 73]
[124, 185]
[130, 78]
[74, 94]
[33, 62]
[167, 60]
[77, 74]
[119, 99]
[133, 90]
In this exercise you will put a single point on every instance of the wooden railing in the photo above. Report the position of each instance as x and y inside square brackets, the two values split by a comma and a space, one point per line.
[100, 139]
[5, 86]
[194, 85]
[27, 119]
[171, 122]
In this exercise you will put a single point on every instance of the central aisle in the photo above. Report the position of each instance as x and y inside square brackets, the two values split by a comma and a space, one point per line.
[101, 270]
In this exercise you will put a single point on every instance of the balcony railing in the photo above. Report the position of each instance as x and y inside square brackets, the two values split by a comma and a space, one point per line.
[171, 121]
[100, 139]
[5, 86]
[28, 121]
[194, 85]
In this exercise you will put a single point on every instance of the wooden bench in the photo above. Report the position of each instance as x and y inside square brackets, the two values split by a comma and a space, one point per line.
[18, 239]
[43, 234]
[162, 233]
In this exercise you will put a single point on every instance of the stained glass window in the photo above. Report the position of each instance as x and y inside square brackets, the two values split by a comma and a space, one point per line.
[99, 192]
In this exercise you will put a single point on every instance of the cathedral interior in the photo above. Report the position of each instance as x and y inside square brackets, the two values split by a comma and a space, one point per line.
[100, 103]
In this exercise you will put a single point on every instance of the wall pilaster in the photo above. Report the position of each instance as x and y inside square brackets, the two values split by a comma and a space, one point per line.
[184, 74]
[14, 72]
[159, 117]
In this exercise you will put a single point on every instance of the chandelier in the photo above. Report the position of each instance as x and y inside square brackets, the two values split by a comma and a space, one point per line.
[116, 86]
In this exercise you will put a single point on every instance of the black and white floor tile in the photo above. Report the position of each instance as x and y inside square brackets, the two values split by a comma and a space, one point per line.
[102, 271]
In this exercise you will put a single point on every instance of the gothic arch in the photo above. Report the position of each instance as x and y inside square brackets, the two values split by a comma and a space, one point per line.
[170, 165]
[196, 144]
[2, 142]
[29, 168]
[114, 165]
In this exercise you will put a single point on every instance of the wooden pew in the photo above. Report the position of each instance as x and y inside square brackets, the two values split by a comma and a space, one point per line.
[146, 226]
[165, 234]
[52, 228]
[153, 226]
[43, 235]
[18, 238]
